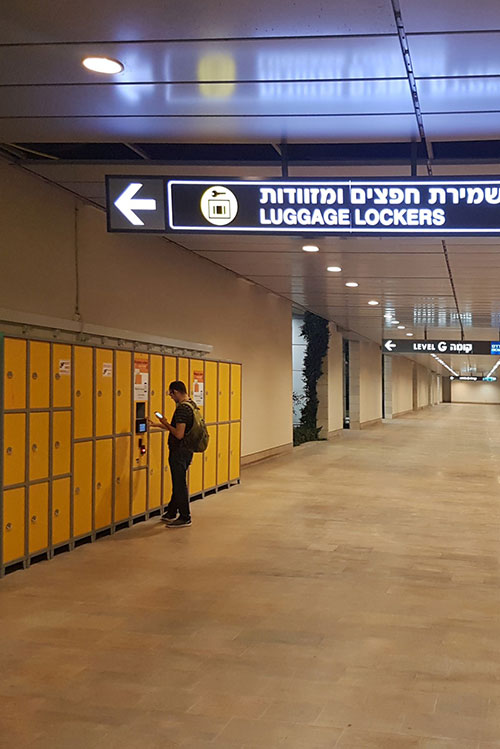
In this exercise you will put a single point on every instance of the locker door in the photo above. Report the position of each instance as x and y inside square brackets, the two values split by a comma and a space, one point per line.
[167, 478]
[38, 518]
[13, 525]
[155, 385]
[123, 395]
[39, 446]
[223, 454]
[155, 451]
[235, 392]
[169, 375]
[103, 392]
[223, 391]
[83, 413]
[210, 459]
[61, 442]
[234, 452]
[14, 449]
[183, 369]
[197, 382]
[39, 374]
[139, 492]
[103, 483]
[61, 531]
[122, 481]
[14, 373]
[61, 376]
[196, 474]
[210, 392]
[82, 491]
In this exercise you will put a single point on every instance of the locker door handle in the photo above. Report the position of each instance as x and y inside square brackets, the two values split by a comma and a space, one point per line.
[118, 480]
[152, 392]
[10, 375]
[99, 485]
[77, 490]
[56, 513]
[9, 451]
[34, 447]
[99, 393]
[34, 376]
[34, 519]
[8, 527]
[57, 445]
[151, 472]
[118, 392]
[58, 376]
[78, 393]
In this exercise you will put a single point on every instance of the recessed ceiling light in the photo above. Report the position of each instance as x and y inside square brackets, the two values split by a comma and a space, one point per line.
[310, 248]
[334, 268]
[352, 284]
[401, 327]
[394, 322]
[102, 65]
[388, 315]
[373, 302]
[409, 334]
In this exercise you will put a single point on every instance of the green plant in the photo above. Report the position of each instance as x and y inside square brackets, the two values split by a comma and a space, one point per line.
[316, 333]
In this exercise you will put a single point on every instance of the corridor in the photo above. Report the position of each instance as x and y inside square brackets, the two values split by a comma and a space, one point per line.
[346, 595]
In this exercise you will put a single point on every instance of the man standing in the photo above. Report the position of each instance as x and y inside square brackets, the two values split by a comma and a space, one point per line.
[180, 456]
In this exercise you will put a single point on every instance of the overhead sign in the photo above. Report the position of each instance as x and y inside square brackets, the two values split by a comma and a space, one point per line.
[385, 206]
[470, 378]
[405, 346]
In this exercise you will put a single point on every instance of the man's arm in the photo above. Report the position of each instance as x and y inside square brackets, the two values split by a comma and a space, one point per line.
[178, 431]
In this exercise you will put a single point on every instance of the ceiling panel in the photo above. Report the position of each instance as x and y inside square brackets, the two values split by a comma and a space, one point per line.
[463, 125]
[221, 60]
[459, 94]
[450, 15]
[455, 54]
[28, 20]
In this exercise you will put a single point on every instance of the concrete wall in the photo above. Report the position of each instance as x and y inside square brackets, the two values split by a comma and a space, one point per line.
[370, 390]
[475, 392]
[423, 386]
[402, 385]
[150, 285]
[335, 382]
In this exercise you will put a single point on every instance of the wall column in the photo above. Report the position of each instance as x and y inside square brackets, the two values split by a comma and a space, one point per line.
[387, 387]
[354, 384]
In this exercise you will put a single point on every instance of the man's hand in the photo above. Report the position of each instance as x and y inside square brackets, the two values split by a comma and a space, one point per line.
[160, 424]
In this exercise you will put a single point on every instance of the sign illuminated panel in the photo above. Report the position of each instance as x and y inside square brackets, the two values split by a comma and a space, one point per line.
[402, 346]
[389, 206]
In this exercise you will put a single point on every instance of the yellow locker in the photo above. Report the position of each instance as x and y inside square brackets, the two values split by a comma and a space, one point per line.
[61, 530]
[61, 376]
[223, 391]
[155, 451]
[14, 373]
[169, 375]
[123, 399]
[83, 413]
[61, 442]
[122, 480]
[235, 392]
[196, 474]
[197, 382]
[103, 483]
[183, 371]
[14, 449]
[103, 392]
[82, 488]
[39, 446]
[141, 458]
[223, 454]
[38, 518]
[210, 460]
[167, 478]
[139, 492]
[155, 384]
[13, 525]
[39, 374]
[210, 392]
[234, 452]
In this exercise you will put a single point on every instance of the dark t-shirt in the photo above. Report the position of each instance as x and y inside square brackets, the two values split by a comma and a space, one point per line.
[183, 414]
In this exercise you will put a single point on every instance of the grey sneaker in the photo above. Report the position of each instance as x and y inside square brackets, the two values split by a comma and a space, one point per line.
[165, 518]
[179, 523]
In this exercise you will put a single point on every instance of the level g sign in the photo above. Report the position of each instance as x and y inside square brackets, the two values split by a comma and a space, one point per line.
[356, 207]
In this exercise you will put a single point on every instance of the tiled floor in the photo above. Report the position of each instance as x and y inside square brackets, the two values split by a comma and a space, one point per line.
[347, 596]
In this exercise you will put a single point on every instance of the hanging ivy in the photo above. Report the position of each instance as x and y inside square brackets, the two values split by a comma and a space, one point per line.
[316, 333]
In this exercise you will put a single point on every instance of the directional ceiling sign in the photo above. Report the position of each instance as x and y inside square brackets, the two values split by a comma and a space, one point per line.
[405, 346]
[467, 206]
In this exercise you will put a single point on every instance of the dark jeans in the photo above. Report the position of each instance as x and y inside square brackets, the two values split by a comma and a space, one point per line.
[179, 461]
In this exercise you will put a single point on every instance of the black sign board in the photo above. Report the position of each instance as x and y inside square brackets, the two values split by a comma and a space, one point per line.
[425, 206]
[413, 346]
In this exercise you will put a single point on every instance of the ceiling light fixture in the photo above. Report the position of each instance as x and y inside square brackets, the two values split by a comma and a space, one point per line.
[352, 284]
[445, 365]
[310, 248]
[334, 268]
[409, 334]
[105, 65]
[401, 327]
[394, 322]
[493, 369]
[373, 302]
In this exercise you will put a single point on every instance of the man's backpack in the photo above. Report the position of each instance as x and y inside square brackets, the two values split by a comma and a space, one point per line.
[197, 438]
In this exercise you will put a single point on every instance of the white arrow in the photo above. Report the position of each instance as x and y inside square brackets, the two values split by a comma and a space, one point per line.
[389, 345]
[127, 205]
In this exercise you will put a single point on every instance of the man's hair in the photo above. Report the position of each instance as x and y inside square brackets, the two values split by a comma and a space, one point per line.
[177, 385]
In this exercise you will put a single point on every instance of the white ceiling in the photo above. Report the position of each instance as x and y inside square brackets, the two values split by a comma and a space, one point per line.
[261, 72]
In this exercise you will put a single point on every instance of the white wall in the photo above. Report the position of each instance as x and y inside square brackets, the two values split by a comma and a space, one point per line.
[475, 392]
[370, 390]
[402, 385]
[149, 285]
[423, 385]
[335, 381]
